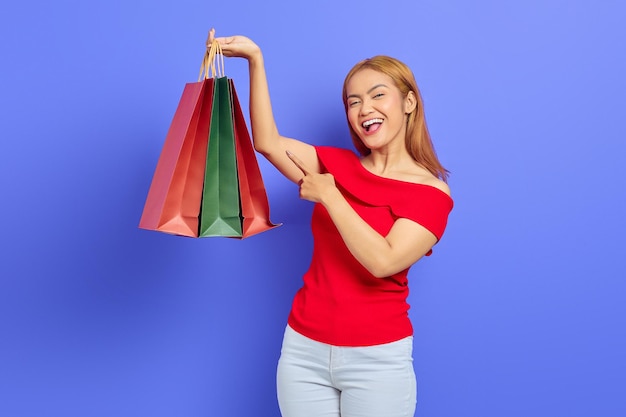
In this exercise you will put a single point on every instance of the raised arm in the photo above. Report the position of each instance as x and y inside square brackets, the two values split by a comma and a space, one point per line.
[267, 140]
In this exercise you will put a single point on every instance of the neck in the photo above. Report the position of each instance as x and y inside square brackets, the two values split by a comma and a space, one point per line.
[383, 161]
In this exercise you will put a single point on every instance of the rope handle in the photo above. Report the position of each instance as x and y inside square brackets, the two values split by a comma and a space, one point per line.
[212, 62]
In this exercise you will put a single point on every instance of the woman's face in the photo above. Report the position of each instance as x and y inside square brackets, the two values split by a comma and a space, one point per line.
[377, 109]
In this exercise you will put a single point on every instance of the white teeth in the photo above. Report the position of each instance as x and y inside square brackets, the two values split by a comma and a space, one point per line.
[370, 122]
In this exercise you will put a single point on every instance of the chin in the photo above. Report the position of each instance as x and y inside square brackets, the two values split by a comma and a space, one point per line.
[372, 146]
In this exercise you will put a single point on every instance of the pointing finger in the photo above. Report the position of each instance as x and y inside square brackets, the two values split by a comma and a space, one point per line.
[298, 163]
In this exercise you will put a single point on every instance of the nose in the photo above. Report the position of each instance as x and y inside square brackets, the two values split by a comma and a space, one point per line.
[366, 108]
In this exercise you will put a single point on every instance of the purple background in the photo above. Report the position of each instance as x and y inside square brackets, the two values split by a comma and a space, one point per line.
[519, 312]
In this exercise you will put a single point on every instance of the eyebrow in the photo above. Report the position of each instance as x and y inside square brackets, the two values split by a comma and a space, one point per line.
[368, 91]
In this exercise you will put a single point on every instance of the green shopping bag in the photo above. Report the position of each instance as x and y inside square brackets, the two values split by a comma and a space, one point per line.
[220, 214]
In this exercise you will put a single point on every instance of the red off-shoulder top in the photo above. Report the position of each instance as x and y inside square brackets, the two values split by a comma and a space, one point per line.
[341, 303]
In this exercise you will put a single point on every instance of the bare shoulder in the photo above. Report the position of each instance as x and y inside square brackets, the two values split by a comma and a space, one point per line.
[437, 183]
[420, 175]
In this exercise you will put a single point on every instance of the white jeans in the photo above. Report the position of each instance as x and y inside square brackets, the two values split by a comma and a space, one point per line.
[319, 380]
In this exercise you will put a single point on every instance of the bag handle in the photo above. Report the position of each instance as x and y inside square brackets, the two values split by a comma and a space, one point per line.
[213, 62]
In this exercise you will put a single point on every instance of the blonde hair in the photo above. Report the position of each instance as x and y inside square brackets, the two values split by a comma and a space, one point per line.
[418, 142]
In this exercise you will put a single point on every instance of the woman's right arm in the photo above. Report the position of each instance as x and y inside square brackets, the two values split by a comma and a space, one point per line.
[267, 140]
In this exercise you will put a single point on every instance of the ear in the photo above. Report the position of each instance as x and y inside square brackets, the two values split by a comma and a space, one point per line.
[410, 102]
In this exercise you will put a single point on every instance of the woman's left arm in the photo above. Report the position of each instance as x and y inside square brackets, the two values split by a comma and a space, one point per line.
[382, 256]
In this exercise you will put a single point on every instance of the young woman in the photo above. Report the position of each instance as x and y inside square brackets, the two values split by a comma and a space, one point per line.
[347, 348]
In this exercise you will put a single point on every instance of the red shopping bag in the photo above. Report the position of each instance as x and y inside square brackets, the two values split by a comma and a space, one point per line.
[173, 201]
[255, 208]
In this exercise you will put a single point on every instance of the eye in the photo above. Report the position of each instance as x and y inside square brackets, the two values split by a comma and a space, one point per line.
[352, 103]
[378, 95]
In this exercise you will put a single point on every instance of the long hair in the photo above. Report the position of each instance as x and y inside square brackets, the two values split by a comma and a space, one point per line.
[417, 141]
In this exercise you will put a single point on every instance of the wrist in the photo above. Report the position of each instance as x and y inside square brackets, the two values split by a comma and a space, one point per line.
[255, 58]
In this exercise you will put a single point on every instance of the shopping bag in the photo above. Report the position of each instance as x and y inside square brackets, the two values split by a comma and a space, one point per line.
[174, 198]
[221, 211]
[255, 209]
[207, 181]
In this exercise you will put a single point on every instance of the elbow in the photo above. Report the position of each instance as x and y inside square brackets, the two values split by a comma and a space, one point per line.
[380, 268]
[261, 149]
[385, 268]
[379, 274]
[265, 141]
[379, 263]
[261, 144]
[382, 272]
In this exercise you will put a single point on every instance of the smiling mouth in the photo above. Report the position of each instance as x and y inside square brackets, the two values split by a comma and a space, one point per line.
[372, 124]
